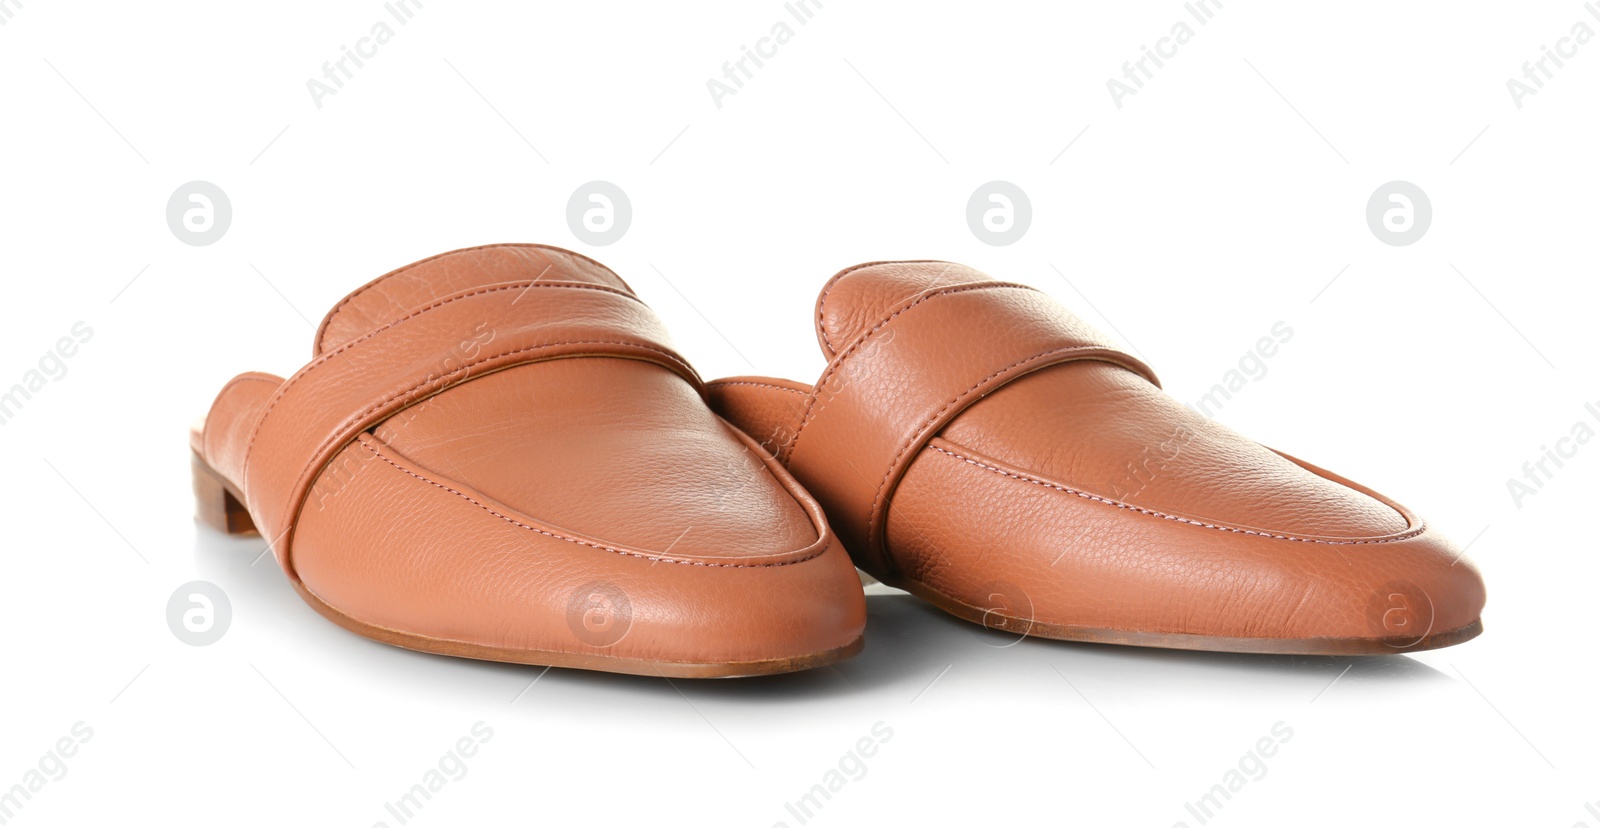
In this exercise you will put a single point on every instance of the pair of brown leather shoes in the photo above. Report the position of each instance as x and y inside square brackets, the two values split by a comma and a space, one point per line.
[496, 453]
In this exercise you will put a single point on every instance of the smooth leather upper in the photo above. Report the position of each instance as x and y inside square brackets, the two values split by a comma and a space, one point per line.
[1003, 445]
[486, 433]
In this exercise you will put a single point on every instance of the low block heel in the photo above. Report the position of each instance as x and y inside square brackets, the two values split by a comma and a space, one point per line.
[215, 504]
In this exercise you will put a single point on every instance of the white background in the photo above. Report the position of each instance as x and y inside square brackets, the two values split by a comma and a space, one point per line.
[1223, 197]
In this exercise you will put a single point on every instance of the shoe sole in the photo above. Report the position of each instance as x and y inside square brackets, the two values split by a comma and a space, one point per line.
[603, 663]
[1028, 627]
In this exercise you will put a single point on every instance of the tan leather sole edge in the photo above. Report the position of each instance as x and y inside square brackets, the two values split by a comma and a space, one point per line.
[219, 505]
[552, 658]
[1028, 627]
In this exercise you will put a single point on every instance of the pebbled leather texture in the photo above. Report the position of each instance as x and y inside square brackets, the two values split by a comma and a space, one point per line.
[974, 441]
[489, 441]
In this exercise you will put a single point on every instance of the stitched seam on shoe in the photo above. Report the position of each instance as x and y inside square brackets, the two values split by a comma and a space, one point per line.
[322, 331]
[906, 445]
[328, 357]
[726, 383]
[579, 541]
[833, 368]
[822, 302]
[1165, 516]
[328, 442]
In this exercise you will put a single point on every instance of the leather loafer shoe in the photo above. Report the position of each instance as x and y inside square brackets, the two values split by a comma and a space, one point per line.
[976, 445]
[496, 453]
